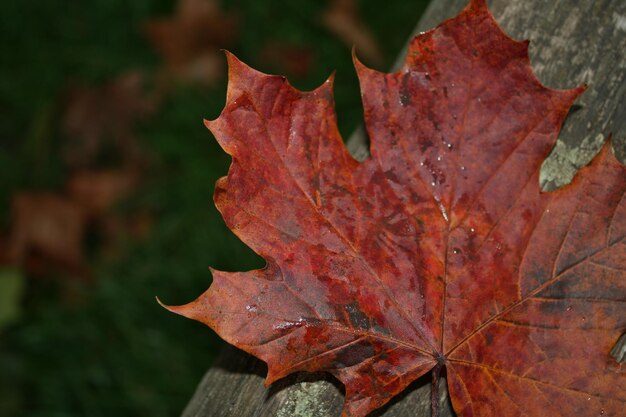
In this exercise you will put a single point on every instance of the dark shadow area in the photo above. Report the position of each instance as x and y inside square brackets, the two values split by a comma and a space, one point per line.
[235, 360]
[419, 384]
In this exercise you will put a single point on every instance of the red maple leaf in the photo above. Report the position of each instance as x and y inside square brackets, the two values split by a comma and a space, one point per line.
[438, 251]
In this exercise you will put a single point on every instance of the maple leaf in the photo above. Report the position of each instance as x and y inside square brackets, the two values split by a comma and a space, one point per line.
[439, 251]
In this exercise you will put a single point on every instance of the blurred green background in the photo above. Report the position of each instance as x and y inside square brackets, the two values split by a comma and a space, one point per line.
[80, 332]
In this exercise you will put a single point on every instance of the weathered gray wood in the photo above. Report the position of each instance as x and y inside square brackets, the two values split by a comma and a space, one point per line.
[233, 387]
[572, 42]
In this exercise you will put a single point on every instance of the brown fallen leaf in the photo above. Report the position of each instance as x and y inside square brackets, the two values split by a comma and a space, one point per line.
[5, 250]
[98, 191]
[343, 19]
[99, 122]
[189, 42]
[47, 229]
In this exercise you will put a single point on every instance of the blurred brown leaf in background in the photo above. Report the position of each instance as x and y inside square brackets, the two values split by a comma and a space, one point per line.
[189, 41]
[100, 120]
[97, 191]
[47, 231]
[343, 19]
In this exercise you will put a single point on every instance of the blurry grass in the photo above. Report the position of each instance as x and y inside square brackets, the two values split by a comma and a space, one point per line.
[108, 348]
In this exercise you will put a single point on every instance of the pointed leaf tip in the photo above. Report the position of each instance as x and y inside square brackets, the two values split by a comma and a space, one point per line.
[158, 300]
[331, 78]
[182, 310]
[208, 123]
[360, 67]
[231, 58]
[355, 58]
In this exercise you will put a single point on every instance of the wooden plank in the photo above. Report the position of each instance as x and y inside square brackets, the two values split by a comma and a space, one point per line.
[233, 387]
[572, 42]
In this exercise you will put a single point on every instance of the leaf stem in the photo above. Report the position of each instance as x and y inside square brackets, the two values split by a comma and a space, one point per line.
[434, 390]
